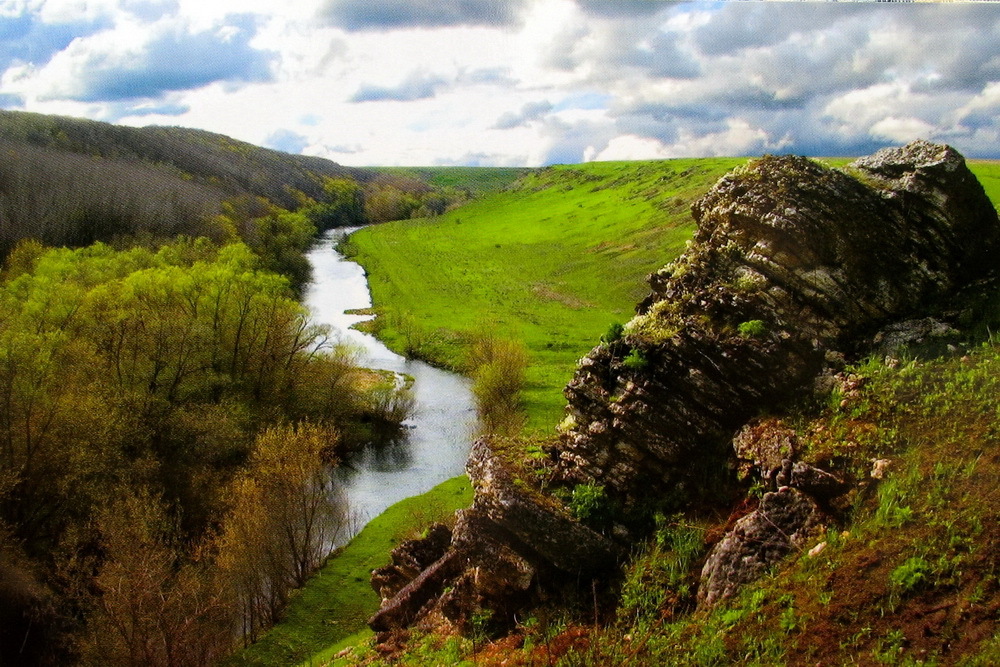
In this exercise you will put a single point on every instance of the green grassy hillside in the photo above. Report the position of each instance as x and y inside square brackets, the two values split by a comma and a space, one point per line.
[552, 261]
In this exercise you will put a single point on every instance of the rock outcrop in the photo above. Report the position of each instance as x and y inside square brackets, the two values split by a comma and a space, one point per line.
[500, 550]
[793, 266]
[784, 522]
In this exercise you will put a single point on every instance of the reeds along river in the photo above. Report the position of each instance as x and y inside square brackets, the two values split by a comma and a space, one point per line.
[438, 435]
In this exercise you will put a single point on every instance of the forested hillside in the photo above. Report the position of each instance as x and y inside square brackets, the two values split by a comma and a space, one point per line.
[168, 413]
[67, 181]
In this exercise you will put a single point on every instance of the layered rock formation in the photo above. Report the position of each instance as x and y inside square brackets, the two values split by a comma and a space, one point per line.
[501, 550]
[793, 266]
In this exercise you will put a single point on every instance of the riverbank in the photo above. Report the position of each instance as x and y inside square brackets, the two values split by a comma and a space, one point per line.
[337, 602]
[553, 261]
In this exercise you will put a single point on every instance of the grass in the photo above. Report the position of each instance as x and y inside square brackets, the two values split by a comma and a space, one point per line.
[552, 261]
[331, 612]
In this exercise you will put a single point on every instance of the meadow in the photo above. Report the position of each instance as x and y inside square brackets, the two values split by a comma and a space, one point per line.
[551, 261]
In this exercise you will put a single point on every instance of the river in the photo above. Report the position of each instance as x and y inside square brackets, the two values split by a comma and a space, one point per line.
[439, 433]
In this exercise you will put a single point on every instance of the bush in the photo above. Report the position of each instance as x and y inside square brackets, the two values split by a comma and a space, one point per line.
[589, 503]
[498, 367]
[613, 334]
[752, 328]
[635, 361]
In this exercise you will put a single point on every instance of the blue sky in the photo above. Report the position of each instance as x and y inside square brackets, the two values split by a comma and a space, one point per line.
[517, 82]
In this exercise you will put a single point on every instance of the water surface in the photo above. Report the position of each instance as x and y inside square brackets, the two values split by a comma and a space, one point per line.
[438, 435]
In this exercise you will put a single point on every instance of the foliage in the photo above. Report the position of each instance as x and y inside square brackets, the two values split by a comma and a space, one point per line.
[283, 517]
[614, 333]
[635, 360]
[752, 328]
[191, 378]
[498, 366]
[590, 504]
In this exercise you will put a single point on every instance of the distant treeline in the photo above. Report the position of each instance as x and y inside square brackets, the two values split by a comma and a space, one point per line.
[68, 181]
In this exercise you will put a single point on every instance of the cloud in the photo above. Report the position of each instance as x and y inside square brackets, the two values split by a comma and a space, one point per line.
[416, 86]
[901, 130]
[529, 112]
[738, 26]
[150, 10]
[287, 141]
[171, 60]
[621, 8]
[26, 38]
[354, 15]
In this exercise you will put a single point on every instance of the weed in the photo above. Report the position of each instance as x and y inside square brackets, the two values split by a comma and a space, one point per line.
[635, 361]
[752, 328]
[589, 503]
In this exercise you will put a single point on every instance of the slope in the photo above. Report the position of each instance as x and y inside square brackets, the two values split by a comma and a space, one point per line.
[552, 261]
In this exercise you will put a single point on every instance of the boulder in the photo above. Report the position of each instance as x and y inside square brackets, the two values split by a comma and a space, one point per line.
[784, 522]
[793, 264]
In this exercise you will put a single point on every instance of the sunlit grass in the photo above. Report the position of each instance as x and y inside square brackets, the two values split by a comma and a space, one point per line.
[552, 262]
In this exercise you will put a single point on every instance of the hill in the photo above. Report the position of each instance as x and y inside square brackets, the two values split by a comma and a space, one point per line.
[903, 569]
[552, 261]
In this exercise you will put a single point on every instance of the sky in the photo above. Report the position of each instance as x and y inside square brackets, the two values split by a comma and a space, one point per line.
[517, 82]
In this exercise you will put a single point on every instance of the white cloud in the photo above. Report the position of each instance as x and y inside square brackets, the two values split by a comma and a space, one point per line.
[901, 130]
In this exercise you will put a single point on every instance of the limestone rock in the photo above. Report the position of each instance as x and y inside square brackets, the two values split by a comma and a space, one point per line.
[926, 335]
[810, 479]
[784, 522]
[793, 264]
[409, 559]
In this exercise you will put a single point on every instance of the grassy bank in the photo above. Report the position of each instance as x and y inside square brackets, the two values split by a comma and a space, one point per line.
[552, 261]
[336, 603]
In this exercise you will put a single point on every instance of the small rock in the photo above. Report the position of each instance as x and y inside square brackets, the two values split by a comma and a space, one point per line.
[880, 468]
[817, 550]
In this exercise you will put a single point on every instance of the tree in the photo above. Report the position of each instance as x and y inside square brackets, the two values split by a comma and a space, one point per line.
[157, 603]
[284, 518]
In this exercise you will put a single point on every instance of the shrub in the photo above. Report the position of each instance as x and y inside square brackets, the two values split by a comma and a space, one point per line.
[498, 371]
[589, 503]
[752, 328]
[613, 334]
[635, 361]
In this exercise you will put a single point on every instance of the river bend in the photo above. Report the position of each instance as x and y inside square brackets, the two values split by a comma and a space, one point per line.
[439, 433]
